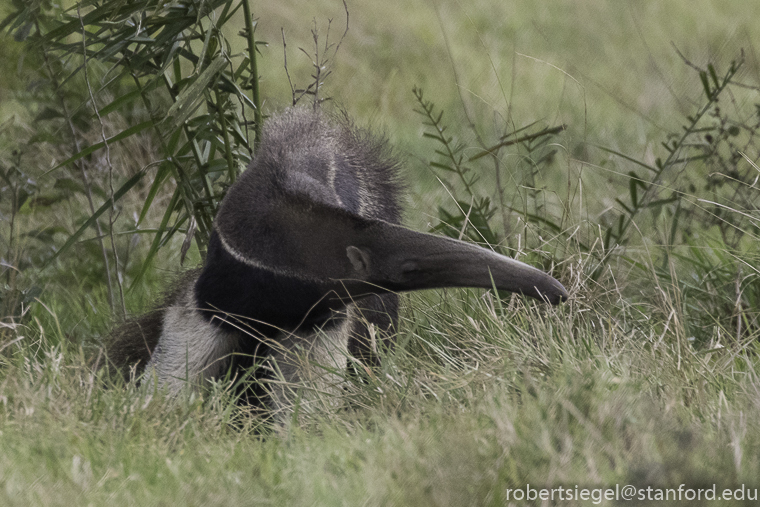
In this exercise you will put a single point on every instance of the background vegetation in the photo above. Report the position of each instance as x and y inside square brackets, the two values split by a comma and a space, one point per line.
[613, 144]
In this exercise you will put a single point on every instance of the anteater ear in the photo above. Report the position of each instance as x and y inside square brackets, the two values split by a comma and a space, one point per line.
[359, 260]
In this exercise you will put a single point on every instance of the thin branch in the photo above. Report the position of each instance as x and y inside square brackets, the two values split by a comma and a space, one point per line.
[80, 165]
[319, 61]
[287, 73]
[255, 94]
[111, 218]
[530, 137]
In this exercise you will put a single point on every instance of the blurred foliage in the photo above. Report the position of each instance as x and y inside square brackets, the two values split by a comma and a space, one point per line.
[702, 199]
[132, 79]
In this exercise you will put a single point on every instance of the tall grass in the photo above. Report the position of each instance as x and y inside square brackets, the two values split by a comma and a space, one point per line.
[481, 396]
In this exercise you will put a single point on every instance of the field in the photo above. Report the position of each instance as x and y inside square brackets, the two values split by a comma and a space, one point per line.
[649, 376]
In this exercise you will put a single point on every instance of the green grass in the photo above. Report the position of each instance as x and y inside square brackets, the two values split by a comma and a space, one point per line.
[482, 396]
[478, 399]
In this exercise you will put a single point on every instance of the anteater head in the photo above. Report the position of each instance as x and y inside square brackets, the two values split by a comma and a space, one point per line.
[318, 205]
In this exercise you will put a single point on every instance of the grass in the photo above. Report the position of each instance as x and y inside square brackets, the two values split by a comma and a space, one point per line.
[482, 396]
[478, 399]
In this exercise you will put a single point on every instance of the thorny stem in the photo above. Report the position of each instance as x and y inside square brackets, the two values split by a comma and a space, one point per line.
[110, 170]
[318, 62]
[227, 145]
[14, 207]
[257, 116]
[81, 167]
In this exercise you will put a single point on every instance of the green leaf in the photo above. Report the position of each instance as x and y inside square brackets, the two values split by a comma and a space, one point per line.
[72, 185]
[549, 131]
[156, 245]
[118, 137]
[120, 101]
[188, 100]
[442, 166]
[163, 171]
[713, 75]
[632, 189]
[626, 157]
[705, 84]
[131, 182]
[48, 114]
[626, 208]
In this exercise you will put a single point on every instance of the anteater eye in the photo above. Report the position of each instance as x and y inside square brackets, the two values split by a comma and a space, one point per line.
[410, 267]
